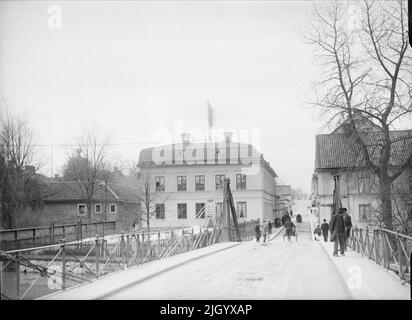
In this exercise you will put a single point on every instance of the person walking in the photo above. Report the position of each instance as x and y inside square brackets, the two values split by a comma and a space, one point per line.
[257, 231]
[348, 227]
[325, 230]
[289, 228]
[270, 227]
[337, 230]
[264, 230]
[317, 232]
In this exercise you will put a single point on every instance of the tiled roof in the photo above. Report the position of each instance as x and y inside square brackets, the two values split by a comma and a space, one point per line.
[341, 151]
[74, 191]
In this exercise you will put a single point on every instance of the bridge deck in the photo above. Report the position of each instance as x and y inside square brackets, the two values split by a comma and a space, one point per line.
[274, 270]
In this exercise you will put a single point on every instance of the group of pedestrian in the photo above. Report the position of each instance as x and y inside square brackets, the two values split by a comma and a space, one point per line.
[339, 226]
[263, 230]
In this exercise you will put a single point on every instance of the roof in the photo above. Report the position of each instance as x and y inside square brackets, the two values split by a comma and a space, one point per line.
[283, 190]
[341, 151]
[362, 124]
[66, 191]
[205, 153]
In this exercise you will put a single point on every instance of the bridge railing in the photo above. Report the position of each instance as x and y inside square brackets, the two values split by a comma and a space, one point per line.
[13, 239]
[389, 249]
[246, 231]
[34, 272]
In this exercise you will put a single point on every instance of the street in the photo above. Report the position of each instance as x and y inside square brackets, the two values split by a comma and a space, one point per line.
[274, 270]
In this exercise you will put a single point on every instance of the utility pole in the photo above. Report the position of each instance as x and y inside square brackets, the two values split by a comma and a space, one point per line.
[210, 120]
[51, 160]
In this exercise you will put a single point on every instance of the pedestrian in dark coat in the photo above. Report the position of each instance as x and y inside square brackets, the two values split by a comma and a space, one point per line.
[289, 226]
[348, 224]
[325, 229]
[348, 227]
[257, 231]
[337, 230]
[270, 227]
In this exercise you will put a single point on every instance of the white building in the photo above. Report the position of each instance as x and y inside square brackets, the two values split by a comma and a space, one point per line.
[184, 178]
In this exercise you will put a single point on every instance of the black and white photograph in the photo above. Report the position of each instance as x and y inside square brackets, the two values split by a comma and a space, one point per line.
[211, 152]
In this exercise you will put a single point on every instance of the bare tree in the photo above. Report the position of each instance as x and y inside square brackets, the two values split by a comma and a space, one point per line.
[367, 72]
[150, 194]
[90, 167]
[19, 187]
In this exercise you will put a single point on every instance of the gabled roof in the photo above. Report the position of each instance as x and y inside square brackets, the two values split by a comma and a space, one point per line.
[67, 191]
[362, 124]
[341, 151]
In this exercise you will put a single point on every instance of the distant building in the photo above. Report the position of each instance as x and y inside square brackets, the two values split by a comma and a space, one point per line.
[285, 197]
[65, 202]
[186, 175]
[336, 155]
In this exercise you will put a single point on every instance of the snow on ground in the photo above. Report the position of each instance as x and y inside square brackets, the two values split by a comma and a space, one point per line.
[276, 269]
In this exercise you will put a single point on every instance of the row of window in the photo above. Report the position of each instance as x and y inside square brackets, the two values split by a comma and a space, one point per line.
[82, 208]
[200, 210]
[365, 184]
[200, 182]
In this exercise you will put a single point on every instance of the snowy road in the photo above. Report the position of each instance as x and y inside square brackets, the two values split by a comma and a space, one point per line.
[274, 270]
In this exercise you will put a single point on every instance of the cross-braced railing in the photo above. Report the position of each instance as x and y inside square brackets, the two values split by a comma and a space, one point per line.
[387, 248]
[35, 272]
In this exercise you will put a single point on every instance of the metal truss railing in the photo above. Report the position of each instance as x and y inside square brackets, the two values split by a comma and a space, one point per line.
[60, 266]
[389, 249]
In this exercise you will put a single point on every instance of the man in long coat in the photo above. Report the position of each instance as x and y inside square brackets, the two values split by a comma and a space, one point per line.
[337, 231]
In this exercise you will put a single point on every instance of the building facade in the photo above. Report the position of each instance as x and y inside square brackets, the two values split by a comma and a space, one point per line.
[65, 202]
[336, 155]
[187, 182]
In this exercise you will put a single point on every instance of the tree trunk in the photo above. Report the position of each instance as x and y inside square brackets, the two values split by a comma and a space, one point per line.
[89, 210]
[148, 220]
[386, 201]
[410, 222]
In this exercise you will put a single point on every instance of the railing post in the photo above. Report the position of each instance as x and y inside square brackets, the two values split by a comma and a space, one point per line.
[158, 244]
[399, 246]
[63, 247]
[138, 248]
[17, 276]
[34, 235]
[127, 249]
[376, 241]
[143, 247]
[97, 254]
[122, 247]
[104, 246]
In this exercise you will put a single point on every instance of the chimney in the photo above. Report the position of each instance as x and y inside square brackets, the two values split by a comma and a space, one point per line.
[185, 138]
[228, 136]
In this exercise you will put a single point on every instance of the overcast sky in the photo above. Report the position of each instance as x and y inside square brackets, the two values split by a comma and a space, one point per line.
[134, 68]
